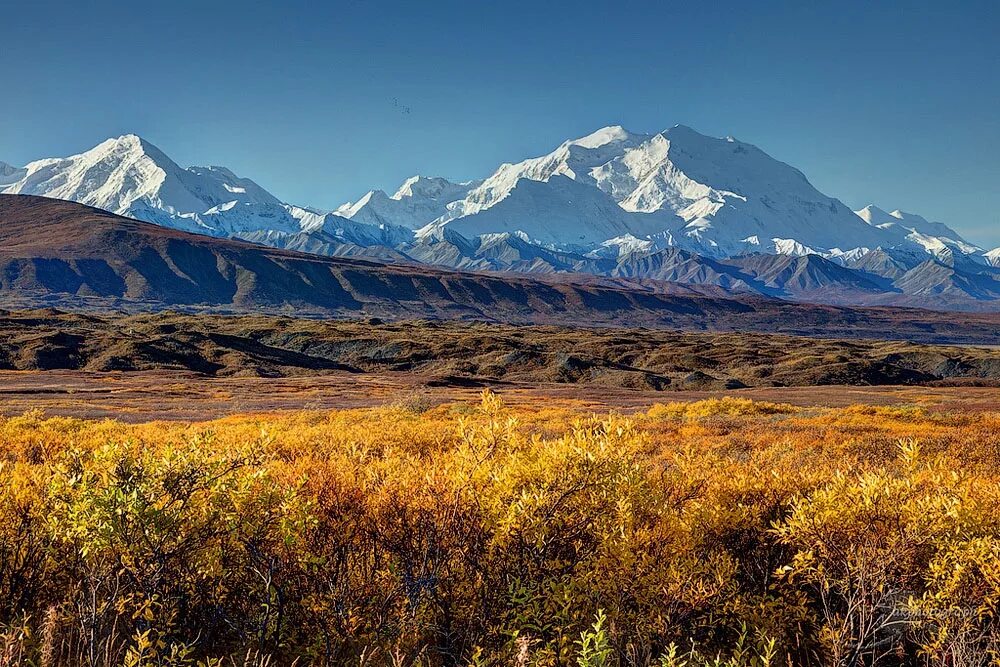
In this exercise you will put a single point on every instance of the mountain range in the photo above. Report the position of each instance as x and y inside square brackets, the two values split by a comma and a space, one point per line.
[72, 256]
[674, 206]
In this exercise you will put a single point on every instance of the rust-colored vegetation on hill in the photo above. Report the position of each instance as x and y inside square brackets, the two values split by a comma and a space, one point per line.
[58, 253]
[723, 532]
[471, 353]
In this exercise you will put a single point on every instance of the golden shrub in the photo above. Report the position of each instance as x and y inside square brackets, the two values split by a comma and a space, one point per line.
[719, 532]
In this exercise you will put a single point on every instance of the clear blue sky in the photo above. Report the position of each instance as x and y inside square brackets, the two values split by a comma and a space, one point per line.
[892, 102]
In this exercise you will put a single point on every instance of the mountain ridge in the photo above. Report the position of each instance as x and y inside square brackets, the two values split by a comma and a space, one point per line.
[54, 252]
[601, 204]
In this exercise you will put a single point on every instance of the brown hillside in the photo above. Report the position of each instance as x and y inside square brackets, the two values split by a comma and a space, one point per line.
[69, 255]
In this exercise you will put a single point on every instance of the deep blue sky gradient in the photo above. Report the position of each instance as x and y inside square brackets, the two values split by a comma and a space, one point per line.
[896, 103]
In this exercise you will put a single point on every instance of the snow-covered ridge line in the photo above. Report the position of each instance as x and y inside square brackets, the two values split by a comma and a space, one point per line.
[609, 193]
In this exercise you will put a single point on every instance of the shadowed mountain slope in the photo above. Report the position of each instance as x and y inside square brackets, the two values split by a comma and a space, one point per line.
[49, 246]
[54, 252]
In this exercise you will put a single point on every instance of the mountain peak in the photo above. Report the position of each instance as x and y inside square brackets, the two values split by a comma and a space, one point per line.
[606, 135]
[127, 147]
[113, 175]
[710, 147]
[128, 138]
[128, 175]
[680, 131]
[419, 200]
[676, 187]
[127, 142]
[221, 171]
[349, 209]
[873, 215]
[921, 225]
[424, 186]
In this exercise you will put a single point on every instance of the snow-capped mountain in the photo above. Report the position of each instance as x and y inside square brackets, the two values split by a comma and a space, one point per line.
[715, 196]
[612, 203]
[130, 176]
[418, 200]
[876, 217]
[916, 232]
[560, 213]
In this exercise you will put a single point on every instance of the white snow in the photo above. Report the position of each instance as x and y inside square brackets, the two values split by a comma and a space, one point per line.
[936, 245]
[792, 247]
[877, 217]
[874, 216]
[418, 200]
[628, 244]
[609, 191]
[709, 195]
[845, 256]
[130, 176]
[310, 219]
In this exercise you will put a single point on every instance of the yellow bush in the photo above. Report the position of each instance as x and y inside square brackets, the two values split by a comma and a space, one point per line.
[695, 534]
[726, 406]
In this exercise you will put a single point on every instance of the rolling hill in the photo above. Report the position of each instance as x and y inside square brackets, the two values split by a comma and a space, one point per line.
[60, 253]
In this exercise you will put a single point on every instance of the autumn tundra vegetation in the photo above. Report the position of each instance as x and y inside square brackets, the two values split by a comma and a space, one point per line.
[724, 532]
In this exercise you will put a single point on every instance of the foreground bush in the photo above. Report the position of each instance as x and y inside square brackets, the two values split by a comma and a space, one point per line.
[716, 533]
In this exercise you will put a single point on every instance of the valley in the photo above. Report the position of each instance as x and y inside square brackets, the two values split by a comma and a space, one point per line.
[175, 365]
[177, 396]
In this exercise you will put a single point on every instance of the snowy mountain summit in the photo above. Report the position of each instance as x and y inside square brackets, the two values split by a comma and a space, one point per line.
[619, 189]
[129, 176]
[714, 196]
[609, 195]
[132, 177]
